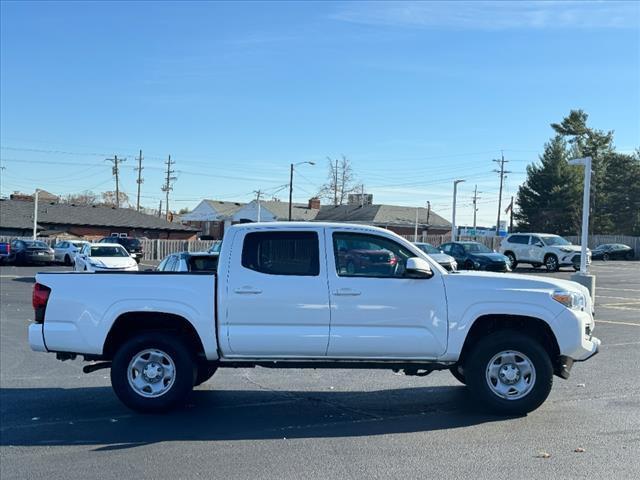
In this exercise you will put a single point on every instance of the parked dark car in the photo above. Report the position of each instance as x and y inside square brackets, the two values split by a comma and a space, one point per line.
[5, 251]
[476, 256]
[24, 252]
[613, 251]
[359, 256]
[131, 245]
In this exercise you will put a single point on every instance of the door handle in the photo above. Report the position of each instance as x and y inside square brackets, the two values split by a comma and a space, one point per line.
[248, 291]
[346, 292]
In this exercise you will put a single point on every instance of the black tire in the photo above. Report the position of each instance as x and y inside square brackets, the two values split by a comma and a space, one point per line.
[67, 260]
[629, 256]
[513, 263]
[477, 366]
[137, 259]
[551, 263]
[605, 257]
[468, 265]
[458, 376]
[178, 390]
[204, 372]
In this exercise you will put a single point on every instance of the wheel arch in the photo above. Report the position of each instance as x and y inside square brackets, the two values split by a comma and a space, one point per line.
[528, 325]
[133, 323]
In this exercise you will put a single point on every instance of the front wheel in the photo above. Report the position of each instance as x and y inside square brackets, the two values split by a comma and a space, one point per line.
[67, 260]
[152, 372]
[511, 374]
[551, 263]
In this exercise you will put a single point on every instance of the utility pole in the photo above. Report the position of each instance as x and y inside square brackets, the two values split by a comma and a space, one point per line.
[116, 173]
[502, 173]
[415, 230]
[140, 179]
[475, 209]
[428, 213]
[335, 184]
[160, 209]
[168, 185]
[291, 184]
[362, 195]
[453, 218]
[258, 195]
[511, 215]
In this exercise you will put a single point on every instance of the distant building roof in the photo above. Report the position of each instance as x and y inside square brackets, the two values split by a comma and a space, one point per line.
[299, 211]
[19, 215]
[226, 209]
[381, 215]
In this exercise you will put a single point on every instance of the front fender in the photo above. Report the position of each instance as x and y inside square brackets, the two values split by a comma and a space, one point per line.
[460, 322]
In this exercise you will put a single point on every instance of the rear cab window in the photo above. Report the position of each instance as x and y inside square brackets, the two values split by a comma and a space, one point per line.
[282, 253]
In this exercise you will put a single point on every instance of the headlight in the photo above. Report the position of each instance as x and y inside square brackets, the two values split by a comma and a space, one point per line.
[574, 300]
[567, 250]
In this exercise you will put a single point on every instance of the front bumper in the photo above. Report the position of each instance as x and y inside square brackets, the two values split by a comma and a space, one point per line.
[574, 333]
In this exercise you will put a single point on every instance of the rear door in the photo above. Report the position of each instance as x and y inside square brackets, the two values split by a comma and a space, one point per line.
[536, 249]
[377, 312]
[277, 298]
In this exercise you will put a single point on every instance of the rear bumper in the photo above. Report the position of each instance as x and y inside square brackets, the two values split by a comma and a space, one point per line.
[36, 337]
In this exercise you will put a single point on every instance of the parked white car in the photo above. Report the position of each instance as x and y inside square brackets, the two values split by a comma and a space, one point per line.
[66, 250]
[539, 249]
[283, 297]
[101, 257]
[446, 261]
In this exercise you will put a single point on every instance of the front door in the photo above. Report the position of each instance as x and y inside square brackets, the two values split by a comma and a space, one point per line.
[376, 311]
[277, 299]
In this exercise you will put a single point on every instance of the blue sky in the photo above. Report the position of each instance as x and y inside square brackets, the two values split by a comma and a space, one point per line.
[415, 94]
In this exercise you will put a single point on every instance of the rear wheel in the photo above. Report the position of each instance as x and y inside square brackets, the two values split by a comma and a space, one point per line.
[629, 255]
[510, 373]
[152, 372]
[551, 263]
[605, 256]
[513, 263]
[67, 260]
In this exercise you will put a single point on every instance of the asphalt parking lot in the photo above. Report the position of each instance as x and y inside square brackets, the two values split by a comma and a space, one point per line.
[57, 422]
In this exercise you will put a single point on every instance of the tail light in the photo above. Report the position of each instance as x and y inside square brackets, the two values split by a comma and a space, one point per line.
[39, 300]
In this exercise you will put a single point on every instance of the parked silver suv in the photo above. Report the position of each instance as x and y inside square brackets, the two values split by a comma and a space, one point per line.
[539, 249]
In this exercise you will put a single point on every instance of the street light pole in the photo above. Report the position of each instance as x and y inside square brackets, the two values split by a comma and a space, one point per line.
[583, 277]
[291, 184]
[35, 214]
[453, 219]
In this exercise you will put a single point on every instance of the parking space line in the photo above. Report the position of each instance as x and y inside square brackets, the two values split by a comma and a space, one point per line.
[620, 344]
[618, 289]
[619, 323]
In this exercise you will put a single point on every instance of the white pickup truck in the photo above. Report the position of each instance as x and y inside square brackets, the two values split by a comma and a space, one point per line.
[316, 295]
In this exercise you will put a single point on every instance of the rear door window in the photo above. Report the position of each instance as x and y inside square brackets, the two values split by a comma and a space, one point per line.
[519, 239]
[282, 253]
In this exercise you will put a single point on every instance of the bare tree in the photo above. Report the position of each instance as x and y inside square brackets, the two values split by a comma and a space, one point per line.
[109, 198]
[341, 181]
[85, 198]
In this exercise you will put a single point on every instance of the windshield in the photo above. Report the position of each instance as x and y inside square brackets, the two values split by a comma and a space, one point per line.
[475, 248]
[108, 252]
[428, 248]
[36, 244]
[78, 244]
[551, 241]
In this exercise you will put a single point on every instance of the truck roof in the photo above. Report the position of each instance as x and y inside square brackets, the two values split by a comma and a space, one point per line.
[308, 225]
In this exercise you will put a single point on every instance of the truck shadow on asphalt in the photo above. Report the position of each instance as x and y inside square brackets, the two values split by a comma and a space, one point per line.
[94, 417]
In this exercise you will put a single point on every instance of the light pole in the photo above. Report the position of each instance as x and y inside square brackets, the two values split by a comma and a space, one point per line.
[291, 184]
[583, 277]
[35, 214]
[453, 219]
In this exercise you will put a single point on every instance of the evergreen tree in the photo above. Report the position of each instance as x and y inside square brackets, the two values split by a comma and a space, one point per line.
[550, 198]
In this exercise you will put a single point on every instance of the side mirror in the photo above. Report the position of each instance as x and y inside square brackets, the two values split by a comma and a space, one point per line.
[418, 268]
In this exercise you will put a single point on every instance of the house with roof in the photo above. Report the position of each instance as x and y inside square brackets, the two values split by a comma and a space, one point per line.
[399, 219]
[211, 217]
[92, 222]
[277, 211]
